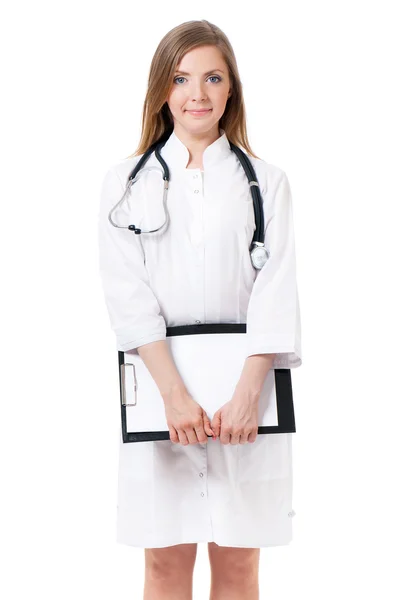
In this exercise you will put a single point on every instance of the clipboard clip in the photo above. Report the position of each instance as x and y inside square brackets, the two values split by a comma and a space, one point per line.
[124, 395]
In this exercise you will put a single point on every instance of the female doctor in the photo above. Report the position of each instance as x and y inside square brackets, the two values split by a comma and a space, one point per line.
[232, 489]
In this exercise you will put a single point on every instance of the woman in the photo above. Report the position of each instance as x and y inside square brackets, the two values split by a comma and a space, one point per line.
[234, 489]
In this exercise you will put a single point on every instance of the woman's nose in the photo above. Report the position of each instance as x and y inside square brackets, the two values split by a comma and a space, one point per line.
[197, 91]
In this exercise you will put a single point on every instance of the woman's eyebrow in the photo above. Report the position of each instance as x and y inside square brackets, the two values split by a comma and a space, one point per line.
[207, 73]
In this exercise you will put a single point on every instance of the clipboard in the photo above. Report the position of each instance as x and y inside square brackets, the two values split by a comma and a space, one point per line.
[210, 359]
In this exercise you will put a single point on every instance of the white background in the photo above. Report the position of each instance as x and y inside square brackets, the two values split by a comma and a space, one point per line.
[319, 81]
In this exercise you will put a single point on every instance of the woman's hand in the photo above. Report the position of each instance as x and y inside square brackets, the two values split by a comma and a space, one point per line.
[236, 422]
[187, 421]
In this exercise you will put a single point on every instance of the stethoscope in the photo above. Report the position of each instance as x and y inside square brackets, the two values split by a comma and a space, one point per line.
[258, 253]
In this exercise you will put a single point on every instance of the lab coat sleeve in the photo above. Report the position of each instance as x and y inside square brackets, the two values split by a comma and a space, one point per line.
[273, 322]
[134, 311]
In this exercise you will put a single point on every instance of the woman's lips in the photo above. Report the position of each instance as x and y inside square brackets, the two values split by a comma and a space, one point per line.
[199, 113]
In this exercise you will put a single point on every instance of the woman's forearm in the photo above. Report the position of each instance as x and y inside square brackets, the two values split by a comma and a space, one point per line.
[255, 371]
[159, 362]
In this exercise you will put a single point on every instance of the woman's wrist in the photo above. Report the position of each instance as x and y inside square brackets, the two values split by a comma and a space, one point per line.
[254, 373]
[176, 387]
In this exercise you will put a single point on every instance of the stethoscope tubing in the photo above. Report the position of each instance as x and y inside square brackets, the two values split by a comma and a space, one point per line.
[259, 253]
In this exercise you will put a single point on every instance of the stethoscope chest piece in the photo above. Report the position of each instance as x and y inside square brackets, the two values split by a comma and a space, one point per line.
[259, 255]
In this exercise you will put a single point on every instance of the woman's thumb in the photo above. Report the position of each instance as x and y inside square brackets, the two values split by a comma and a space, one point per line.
[216, 423]
[207, 427]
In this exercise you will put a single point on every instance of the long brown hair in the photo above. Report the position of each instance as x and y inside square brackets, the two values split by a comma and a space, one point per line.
[157, 121]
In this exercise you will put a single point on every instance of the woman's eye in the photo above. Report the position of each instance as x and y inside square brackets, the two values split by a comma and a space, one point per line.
[211, 77]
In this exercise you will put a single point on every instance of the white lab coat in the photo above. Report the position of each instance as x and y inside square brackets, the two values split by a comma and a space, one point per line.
[199, 271]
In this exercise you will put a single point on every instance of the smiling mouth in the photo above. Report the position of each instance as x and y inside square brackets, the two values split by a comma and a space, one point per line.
[200, 111]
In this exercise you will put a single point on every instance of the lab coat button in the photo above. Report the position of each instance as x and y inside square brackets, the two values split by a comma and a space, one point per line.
[196, 191]
[200, 474]
[197, 321]
[202, 494]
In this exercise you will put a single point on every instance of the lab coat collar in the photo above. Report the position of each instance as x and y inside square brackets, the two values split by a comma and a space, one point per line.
[176, 154]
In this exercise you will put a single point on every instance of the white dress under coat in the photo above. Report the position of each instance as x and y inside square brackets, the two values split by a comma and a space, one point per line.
[199, 271]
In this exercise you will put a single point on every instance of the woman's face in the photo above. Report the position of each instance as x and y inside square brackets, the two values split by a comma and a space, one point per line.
[200, 82]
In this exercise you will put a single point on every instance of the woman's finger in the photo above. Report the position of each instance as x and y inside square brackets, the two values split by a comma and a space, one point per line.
[191, 435]
[182, 437]
[173, 434]
[252, 436]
